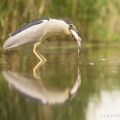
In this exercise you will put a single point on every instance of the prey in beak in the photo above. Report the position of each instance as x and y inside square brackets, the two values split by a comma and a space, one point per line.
[76, 37]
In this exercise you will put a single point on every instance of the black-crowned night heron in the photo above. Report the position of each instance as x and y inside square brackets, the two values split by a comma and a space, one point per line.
[40, 29]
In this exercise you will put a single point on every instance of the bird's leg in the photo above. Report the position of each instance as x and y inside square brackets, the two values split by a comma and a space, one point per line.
[41, 58]
[36, 68]
[35, 52]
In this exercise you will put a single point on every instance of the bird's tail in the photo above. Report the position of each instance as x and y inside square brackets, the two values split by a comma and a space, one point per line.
[9, 43]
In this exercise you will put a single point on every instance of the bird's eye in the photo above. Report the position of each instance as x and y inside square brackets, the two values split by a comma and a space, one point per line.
[70, 26]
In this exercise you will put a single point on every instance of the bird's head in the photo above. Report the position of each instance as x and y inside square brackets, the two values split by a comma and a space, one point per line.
[75, 35]
[67, 27]
[71, 30]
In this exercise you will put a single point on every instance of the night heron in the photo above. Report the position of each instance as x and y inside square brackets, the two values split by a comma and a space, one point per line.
[40, 29]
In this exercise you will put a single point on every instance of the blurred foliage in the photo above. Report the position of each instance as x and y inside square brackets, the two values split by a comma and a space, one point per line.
[96, 20]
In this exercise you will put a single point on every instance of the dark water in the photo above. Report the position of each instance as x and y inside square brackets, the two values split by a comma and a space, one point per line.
[65, 87]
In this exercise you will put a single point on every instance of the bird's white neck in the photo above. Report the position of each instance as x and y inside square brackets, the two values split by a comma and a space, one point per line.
[57, 27]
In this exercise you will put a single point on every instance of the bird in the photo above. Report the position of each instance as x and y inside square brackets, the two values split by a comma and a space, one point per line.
[40, 29]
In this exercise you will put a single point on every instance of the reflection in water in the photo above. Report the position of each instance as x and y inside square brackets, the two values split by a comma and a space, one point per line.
[34, 88]
[99, 94]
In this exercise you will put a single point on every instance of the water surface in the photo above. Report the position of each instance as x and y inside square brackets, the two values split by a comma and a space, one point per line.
[65, 87]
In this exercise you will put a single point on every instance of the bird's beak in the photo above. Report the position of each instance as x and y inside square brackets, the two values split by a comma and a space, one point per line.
[76, 37]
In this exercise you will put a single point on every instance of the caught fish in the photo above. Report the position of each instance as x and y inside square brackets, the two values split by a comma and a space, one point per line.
[76, 37]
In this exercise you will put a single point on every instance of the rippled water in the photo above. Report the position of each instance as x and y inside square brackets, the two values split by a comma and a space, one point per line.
[65, 87]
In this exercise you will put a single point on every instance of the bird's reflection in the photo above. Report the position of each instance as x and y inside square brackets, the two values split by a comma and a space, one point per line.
[34, 88]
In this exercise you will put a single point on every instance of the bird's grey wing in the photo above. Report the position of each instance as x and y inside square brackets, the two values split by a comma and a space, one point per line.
[30, 24]
[29, 33]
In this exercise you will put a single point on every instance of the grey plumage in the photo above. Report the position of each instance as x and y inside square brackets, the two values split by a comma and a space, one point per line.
[40, 29]
[26, 34]
[65, 20]
[25, 26]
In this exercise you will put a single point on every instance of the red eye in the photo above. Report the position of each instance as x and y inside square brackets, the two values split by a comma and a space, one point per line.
[70, 26]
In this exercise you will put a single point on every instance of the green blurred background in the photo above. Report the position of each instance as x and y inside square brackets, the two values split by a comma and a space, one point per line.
[96, 20]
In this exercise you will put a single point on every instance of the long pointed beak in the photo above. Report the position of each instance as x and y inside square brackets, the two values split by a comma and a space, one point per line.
[76, 37]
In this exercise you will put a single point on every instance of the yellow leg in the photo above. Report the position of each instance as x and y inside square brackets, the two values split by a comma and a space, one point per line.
[41, 58]
[36, 68]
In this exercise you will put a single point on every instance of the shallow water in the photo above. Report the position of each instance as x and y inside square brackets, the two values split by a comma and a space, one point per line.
[65, 87]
